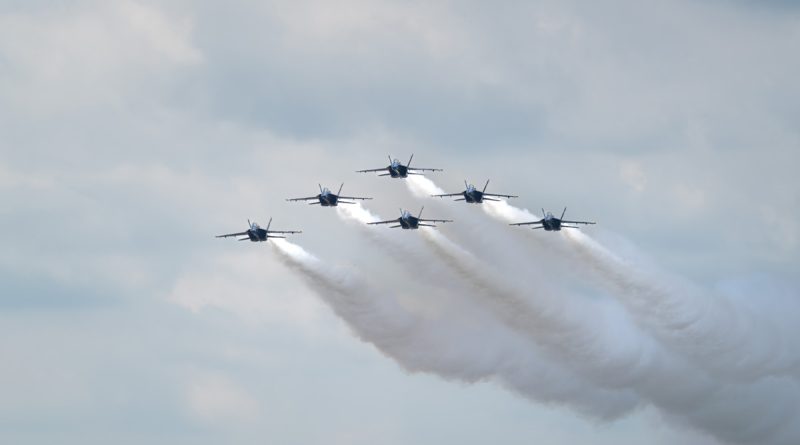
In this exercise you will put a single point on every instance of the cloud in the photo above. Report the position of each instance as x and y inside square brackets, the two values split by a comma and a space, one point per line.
[132, 132]
[215, 399]
[90, 57]
[633, 175]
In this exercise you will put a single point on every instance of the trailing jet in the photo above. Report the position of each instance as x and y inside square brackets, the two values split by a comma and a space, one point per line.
[407, 221]
[327, 199]
[398, 170]
[256, 233]
[551, 223]
[475, 196]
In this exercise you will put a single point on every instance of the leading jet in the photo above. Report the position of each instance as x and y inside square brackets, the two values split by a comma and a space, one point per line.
[475, 196]
[398, 170]
[255, 233]
[551, 223]
[328, 199]
[407, 221]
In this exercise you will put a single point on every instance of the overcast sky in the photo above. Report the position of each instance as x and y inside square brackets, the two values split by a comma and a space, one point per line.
[132, 132]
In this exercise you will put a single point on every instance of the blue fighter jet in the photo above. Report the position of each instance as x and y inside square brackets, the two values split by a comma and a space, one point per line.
[551, 223]
[474, 196]
[398, 170]
[328, 199]
[407, 221]
[255, 233]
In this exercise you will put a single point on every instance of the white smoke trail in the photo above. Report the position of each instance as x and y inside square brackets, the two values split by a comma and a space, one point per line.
[577, 336]
[538, 311]
[422, 187]
[543, 325]
[405, 250]
[707, 327]
[451, 347]
[360, 216]
[356, 212]
[505, 212]
[699, 399]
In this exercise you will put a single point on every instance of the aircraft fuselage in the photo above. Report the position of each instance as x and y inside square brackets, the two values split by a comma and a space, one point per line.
[473, 196]
[551, 224]
[257, 234]
[329, 200]
[409, 222]
[398, 171]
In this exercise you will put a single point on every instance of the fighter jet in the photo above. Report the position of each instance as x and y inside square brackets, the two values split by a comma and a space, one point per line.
[398, 170]
[475, 196]
[256, 233]
[551, 223]
[327, 199]
[407, 221]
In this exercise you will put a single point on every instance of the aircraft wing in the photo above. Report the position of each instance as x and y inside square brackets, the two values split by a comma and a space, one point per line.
[232, 234]
[500, 196]
[577, 222]
[284, 231]
[541, 221]
[436, 220]
[372, 170]
[385, 222]
[447, 195]
[303, 199]
[352, 197]
[425, 169]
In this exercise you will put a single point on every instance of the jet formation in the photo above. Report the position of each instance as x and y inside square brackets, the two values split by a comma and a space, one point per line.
[396, 169]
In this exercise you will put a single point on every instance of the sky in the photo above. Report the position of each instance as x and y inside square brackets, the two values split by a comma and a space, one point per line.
[132, 132]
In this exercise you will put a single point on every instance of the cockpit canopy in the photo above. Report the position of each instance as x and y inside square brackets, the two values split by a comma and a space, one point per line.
[405, 214]
[395, 162]
[326, 191]
[470, 188]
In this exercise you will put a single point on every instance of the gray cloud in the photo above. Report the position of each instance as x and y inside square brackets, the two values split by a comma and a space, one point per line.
[131, 132]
